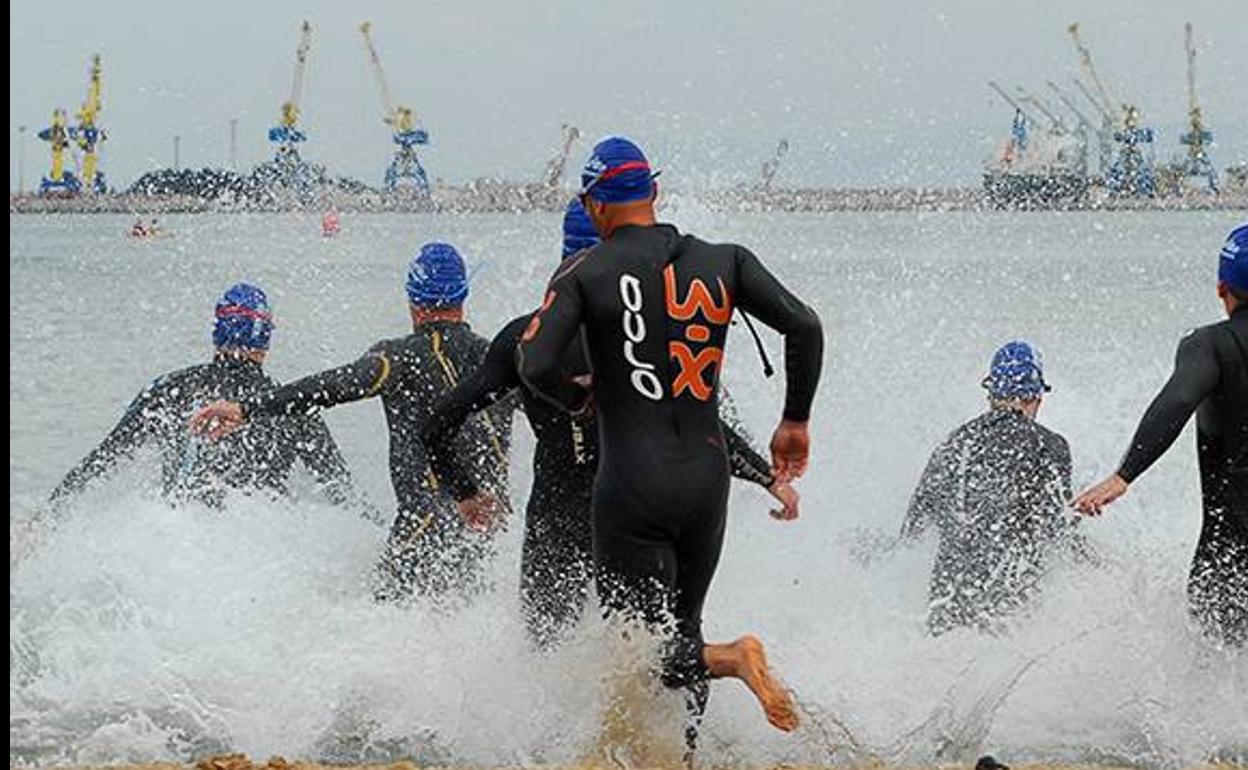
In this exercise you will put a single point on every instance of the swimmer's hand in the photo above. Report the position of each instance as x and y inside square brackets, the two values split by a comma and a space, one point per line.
[483, 512]
[1094, 499]
[220, 418]
[790, 450]
[586, 409]
[788, 497]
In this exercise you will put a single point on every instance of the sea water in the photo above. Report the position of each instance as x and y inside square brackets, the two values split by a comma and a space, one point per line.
[141, 632]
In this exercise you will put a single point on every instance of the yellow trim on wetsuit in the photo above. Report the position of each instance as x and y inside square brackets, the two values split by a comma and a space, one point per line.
[452, 379]
[375, 388]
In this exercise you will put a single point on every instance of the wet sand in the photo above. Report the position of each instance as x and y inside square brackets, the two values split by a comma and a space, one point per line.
[243, 762]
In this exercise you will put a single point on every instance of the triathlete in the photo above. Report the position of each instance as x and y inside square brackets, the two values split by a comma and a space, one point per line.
[260, 457]
[655, 306]
[557, 556]
[430, 551]
[1211, 379]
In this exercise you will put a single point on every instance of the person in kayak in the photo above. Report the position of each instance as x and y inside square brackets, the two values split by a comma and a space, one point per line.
[430, 551]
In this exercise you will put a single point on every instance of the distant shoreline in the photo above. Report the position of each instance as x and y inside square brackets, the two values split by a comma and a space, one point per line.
[519, 198]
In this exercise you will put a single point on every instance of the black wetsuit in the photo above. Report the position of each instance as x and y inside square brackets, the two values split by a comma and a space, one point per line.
[1210, 378]
[996, 491]
[430, 552]
[557, 556]
[258, 457]
[655, 307]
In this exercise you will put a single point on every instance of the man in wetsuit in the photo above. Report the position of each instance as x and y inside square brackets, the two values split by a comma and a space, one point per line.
[1210, 378]
[995, 490]
[430, 551]
[258, 458]
[655, 306]
[556, 557]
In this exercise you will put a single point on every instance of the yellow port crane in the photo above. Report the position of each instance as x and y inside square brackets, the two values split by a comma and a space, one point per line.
[402, 121]
[87, 134]
[57, 137]
[287, 133]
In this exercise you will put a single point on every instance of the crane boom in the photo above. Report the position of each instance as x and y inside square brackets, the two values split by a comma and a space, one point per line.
[290, 109]
[1070, 103]
[366, 29]
[1192, 106]
[1085, 59]
[1010, 100]
[1105, 116]
[1055, 122]
[92, 106]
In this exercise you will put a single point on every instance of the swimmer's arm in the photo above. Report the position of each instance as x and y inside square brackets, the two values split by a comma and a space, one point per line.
[138, 425]
[765, 298]
[1194, 378]
[494, 379]
[363, 378]
[932, 495]
[541, 348]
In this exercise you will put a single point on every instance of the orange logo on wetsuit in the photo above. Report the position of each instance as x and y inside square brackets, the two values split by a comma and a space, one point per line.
[690, 364]
[535, 323]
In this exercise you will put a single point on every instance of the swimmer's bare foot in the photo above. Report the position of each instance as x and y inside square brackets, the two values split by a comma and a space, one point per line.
[745, 659]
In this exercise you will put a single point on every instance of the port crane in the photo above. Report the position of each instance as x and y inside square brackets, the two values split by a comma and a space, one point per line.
[1019, 135]
[1131, 170]
[287, 134]
[557, 162]
[57, 136]
[1085, 129]
[87, 134]
[61, 135]
[1198, 138]
[1061, 135]
[405, 165]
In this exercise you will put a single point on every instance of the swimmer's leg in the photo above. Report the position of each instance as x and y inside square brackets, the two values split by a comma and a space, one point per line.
[744, 659]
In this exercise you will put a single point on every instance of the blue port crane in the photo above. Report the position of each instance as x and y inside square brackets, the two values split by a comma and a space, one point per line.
[405, 165]
[1198, 138]
[287, 134]
[1131, 171]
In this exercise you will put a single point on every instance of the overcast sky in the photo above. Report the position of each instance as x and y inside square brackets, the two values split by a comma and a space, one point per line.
[866, 91]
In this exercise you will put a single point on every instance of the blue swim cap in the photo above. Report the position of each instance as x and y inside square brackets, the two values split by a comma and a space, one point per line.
[436, 276]
[578, 230]
[1233, 265]
[1016, 372]
[243, 319]
[617, 172]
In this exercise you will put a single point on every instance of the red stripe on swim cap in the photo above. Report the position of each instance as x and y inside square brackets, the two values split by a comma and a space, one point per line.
[632, 165]
[226, 311]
